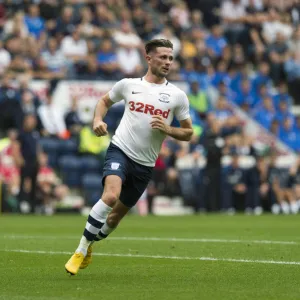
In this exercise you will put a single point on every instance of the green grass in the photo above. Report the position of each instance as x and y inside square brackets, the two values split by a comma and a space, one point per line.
[42, 275]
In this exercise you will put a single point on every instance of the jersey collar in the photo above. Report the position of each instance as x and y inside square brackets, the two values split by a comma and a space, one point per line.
[154, 84]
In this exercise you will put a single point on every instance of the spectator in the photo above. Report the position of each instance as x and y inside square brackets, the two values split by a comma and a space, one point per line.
[288, 134]
[104, 18]
[221, 74]
[213, 143]
[126, 37]
[292, 67]
[294, 181]
[233, 15]
[261, 77]
[283, 113]
[282, 95]
[279, 181]
[54, 59]
[274, 25]
[66, 22]
[167, 33]
[129, 61]
[18, 66]
[265, 114]
[244, 95]
[234, 187]
[180, 13]
[243, 145]
[49, 188]
[237, 56]
[275, 128]
[52, 120]
[90, 70]
[26, 106]
[297, 125]
[34, 22]
[16, 26]
[10, 162]
[259, 187]
[225, 117]
[262, 92]
[90, 144]
[42, 71]
[28, 143]
[294, 42]
[278, 52]
[150, 29]
[72, 120]
[196, 20]
[49, 10]
[5, 58]
[2, 16]
[199, 99]
[128, 56]
[215, 42]
[74, 47]
[9, 99]
[86, 28]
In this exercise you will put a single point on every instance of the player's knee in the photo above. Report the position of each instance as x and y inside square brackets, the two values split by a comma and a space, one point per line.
[110, 198]
[113, 219]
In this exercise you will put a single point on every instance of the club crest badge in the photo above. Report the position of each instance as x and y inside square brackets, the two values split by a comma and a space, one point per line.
[115, 166]
[163, 97]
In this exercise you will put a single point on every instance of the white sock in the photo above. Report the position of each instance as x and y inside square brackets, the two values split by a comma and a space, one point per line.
[104, 232]
[83, 245]
[258, 210]
[285, 208]
[97, 217]
[294, 207]
[100, 211]
[275, 209]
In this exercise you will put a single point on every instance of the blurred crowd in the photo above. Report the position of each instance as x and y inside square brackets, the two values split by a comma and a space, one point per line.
[231, 52]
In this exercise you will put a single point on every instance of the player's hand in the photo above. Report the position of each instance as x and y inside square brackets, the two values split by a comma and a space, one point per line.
[158, 122]
[100, 128]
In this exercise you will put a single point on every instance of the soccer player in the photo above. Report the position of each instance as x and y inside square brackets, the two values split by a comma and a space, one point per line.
[151, 102]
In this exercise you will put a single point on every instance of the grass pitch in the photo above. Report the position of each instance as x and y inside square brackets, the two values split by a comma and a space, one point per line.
[195, 257]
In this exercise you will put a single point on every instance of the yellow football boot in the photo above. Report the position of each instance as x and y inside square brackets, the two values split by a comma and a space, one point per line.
[88, 259]
[73, 264]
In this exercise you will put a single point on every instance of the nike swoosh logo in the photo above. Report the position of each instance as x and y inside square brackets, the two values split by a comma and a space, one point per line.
[136, 92]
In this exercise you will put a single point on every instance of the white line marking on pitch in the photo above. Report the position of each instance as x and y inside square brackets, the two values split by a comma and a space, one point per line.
[237, 260]
[157, 239]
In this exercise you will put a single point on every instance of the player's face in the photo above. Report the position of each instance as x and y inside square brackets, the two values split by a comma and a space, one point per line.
[160, 61]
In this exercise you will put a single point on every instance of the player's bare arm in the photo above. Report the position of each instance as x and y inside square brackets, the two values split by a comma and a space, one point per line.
[100, 127]
[184, 133]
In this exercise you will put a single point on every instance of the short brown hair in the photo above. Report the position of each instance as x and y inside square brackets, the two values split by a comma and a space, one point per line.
[153, 44]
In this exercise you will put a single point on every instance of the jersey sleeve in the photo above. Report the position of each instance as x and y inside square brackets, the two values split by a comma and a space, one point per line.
[117, 92]
[182, 111]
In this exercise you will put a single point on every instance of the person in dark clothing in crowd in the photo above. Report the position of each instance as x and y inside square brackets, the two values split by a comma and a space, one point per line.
[259, 190]
[294, 185]
[279, 181]
[28, 139]
[9, 99]
[27, 105]
[234, 187]
[72, 119]
[213, 143]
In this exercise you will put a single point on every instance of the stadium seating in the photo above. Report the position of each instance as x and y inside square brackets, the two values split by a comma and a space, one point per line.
[90, 164]
[92, 187]
[52, 147]
[70, 170]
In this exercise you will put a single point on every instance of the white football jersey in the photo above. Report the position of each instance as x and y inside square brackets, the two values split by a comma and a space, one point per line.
[134, 135]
